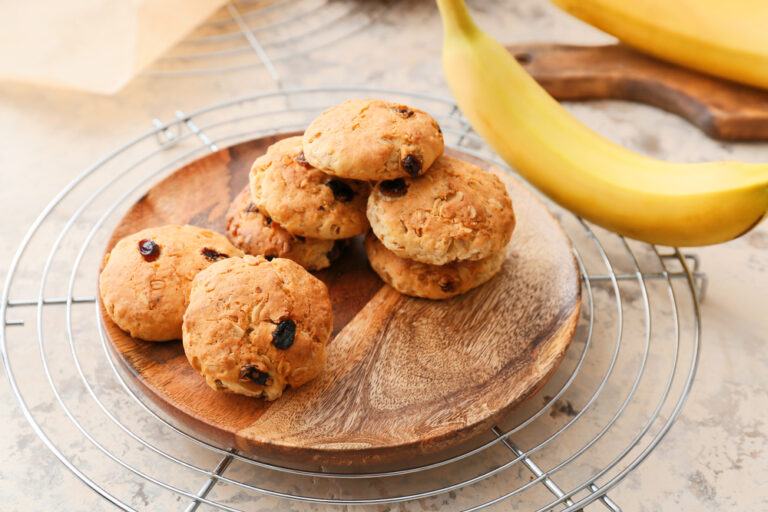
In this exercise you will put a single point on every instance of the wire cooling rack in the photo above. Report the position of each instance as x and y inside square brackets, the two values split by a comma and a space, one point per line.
[247, 34]
[617, 393]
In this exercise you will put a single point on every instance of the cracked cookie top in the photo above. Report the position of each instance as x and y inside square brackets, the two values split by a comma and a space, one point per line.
[304, 200]
[373, 140]
[456, 211]
[254, 326]
[147, 277]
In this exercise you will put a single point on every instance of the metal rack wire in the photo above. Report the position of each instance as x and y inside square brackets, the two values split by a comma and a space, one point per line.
[248, 34]
[617, 393]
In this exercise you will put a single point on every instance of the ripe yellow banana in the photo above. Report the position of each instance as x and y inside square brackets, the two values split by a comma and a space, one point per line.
[727, 38]
[679, 204]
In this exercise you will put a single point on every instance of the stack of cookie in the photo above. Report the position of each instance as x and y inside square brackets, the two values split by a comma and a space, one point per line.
[308, 195]
[440, 225]
[441, 234]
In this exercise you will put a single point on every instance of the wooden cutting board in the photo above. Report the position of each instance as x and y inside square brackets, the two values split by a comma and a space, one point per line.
[404, 376]
[721, 109]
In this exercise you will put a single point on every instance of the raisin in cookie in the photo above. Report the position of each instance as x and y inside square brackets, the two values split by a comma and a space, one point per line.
[304, 200]
[257, 234]
[456, 211]
[147, 277]
[254, 326]
[430, 281]
[373, 140]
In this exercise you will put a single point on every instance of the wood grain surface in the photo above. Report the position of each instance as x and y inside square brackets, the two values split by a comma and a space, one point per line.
[721, 109]
[404, 377]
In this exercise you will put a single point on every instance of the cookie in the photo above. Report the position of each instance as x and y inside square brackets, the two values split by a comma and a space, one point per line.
[249, 230]
[147, 277]
[456, 211]
[304, 200]
[430, 281]
[373, 140]
[254, 326]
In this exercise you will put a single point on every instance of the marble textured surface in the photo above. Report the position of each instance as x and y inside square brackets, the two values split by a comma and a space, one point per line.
[714, 458]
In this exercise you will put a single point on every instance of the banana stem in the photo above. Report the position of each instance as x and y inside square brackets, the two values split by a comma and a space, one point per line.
[456, 17]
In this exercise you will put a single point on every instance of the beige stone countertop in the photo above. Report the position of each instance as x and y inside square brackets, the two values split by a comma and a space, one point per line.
[714, 458]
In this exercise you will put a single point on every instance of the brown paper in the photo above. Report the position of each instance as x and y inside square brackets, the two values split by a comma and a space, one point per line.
[92, 45]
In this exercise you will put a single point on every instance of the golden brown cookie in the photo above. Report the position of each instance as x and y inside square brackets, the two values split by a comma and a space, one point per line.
[304, 200]
[373, 140]
[254, 326]
[456, 211]
[147, 276]
[430, 281]
[256, 234]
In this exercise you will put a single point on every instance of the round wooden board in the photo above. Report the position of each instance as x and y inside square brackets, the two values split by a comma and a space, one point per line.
[404, 376]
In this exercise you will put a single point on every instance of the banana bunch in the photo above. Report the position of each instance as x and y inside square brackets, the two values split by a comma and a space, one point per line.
[677, 204]
[727, 38]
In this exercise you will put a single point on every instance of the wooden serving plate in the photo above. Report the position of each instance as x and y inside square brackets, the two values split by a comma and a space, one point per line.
[404, 376]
